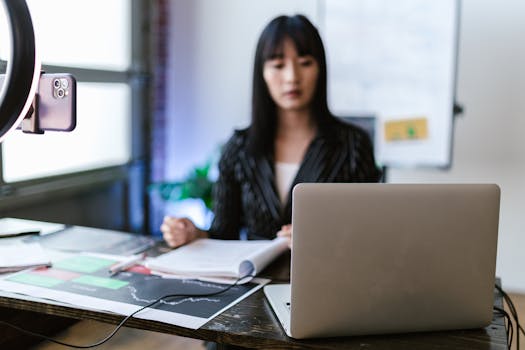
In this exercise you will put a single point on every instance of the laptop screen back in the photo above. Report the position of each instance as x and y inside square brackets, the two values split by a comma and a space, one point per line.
[386, 258]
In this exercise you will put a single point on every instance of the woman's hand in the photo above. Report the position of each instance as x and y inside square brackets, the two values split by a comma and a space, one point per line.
[177, 232]
[286, 232]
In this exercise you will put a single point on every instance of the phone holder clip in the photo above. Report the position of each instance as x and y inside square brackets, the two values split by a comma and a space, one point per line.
[30, 124]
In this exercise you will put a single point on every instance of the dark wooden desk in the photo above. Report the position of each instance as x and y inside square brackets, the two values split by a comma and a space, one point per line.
[251, 323]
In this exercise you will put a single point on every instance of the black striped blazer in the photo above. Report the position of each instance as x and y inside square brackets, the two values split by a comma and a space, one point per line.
[246, 196]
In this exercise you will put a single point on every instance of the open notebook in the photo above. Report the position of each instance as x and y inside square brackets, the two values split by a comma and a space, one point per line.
[219, 258]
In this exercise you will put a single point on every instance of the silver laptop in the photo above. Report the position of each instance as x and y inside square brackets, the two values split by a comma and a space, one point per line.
[389, 258]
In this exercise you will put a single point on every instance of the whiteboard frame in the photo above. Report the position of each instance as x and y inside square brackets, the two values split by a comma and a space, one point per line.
[442, 159]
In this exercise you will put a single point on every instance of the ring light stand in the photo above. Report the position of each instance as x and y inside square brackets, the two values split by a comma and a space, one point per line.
[23, 69]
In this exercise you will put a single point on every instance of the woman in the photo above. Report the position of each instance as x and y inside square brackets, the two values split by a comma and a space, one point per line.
[292, 138]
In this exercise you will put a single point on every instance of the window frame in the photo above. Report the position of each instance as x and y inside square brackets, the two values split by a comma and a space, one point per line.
[137, 76]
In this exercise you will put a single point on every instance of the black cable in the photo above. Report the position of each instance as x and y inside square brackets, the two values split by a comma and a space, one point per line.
[119, 326]
[509, 326]
[514, 313]
[512, 308]
[508, 319]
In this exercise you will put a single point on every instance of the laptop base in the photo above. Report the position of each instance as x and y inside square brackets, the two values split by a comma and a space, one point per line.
[279, 296]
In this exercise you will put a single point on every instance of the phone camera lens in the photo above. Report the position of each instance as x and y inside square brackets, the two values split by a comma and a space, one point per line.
[64, 83]
[60, 93]
[56, 83]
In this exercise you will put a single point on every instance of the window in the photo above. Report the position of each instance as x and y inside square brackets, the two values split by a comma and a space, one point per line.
[106, 46]
[90, 34]
[92, 44]
[100, 139]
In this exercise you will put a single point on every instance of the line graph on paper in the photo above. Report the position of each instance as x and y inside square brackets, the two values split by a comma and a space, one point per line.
[88, 275]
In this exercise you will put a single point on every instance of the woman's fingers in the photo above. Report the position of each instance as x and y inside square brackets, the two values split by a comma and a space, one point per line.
[175, 231]
[286, 232]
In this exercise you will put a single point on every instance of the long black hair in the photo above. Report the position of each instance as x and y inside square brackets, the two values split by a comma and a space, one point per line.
[307, 41]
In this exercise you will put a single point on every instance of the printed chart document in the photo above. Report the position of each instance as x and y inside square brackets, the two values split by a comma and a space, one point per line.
[83, 281]
[219, 258]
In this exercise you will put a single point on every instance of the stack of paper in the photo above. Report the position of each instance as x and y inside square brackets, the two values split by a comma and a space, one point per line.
[15, 257]
[11, 227]
[219, 258]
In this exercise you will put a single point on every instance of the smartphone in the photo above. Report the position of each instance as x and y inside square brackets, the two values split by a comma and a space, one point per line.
[57, 101]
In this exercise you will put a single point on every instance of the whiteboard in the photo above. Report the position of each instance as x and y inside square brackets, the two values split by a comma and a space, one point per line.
[395, 60]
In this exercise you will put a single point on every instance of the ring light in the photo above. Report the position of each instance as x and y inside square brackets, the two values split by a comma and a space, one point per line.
[23, 68]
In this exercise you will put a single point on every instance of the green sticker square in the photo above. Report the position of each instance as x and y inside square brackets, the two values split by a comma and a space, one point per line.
[84, 264]
[35, 280]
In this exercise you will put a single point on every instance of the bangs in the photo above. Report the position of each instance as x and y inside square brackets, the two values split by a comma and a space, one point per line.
[297, 32]
[307, 42]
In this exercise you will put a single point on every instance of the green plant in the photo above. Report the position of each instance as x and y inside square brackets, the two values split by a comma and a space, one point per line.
[196, 185]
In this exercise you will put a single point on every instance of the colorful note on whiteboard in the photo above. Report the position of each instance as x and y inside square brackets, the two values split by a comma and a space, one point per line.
[406, 129]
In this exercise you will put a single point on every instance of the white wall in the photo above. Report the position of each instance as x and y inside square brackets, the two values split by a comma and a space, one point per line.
[212, 44]
[212, 49]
